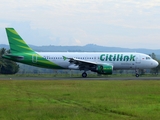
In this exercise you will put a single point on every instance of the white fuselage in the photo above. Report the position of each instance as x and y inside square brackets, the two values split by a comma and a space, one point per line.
[119, 60]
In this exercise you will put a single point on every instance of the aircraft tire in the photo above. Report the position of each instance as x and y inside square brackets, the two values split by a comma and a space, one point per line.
[137, 75]
[84, 74]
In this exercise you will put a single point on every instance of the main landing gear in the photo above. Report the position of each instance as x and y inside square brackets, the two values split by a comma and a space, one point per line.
[84, 74]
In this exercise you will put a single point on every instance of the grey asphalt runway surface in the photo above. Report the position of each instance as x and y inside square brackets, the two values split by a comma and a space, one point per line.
[79, 78]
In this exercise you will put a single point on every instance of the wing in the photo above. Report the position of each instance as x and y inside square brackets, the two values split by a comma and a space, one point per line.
[100, 68]
[81, 64]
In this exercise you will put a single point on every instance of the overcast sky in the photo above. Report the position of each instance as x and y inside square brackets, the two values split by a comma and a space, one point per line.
[113, 23]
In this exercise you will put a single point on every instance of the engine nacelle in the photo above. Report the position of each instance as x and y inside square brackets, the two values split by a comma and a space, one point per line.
[104, 69]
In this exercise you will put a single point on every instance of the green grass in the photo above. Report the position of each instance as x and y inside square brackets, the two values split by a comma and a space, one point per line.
[79, 100]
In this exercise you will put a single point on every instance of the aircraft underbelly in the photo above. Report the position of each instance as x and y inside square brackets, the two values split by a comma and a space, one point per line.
[124, 65]
[63, 64]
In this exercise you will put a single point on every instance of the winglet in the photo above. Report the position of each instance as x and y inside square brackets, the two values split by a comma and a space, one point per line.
[64, 58]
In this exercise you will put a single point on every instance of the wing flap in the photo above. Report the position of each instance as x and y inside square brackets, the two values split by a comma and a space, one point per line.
[81, 64]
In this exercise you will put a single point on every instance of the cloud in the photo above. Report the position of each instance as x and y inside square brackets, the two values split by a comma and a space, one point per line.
[122, 13]
[81, 22]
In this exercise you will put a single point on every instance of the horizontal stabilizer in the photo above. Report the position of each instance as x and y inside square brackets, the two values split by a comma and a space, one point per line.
[13, 57]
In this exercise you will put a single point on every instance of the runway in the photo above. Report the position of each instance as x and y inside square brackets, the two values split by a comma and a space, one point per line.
[79, 78]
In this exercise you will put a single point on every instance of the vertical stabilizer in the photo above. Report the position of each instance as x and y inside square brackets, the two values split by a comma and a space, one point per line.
[17, 44]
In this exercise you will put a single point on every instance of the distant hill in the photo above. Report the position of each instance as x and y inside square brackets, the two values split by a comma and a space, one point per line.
[86, 48]
[4, 46]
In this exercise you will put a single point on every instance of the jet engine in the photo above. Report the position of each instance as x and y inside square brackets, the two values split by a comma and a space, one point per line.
[104, 69]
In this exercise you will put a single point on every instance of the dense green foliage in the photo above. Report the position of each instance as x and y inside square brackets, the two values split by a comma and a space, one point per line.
[7, 66]
[79, 100]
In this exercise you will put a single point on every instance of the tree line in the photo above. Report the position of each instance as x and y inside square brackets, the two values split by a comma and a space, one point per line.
[7, 66]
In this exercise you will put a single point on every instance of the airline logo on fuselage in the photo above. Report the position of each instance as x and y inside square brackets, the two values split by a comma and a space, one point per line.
[117, 57]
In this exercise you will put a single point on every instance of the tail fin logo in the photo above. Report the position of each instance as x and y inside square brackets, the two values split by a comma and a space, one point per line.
[17, 44]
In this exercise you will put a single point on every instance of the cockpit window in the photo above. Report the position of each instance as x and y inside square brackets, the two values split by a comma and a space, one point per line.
[148, 58]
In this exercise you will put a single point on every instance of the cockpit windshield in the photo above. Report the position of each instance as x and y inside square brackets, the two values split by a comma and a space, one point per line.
[148, 58]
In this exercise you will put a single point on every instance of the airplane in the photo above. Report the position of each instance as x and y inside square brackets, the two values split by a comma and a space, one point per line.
[99, 62]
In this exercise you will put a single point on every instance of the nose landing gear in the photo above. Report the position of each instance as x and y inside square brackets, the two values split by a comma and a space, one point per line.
[137, 72]
[137, 75]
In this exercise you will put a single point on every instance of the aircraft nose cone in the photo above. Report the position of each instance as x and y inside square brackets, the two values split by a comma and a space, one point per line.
[155, 64]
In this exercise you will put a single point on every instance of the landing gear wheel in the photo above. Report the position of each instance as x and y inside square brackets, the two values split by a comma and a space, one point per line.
[84, 74]
[137, 75]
